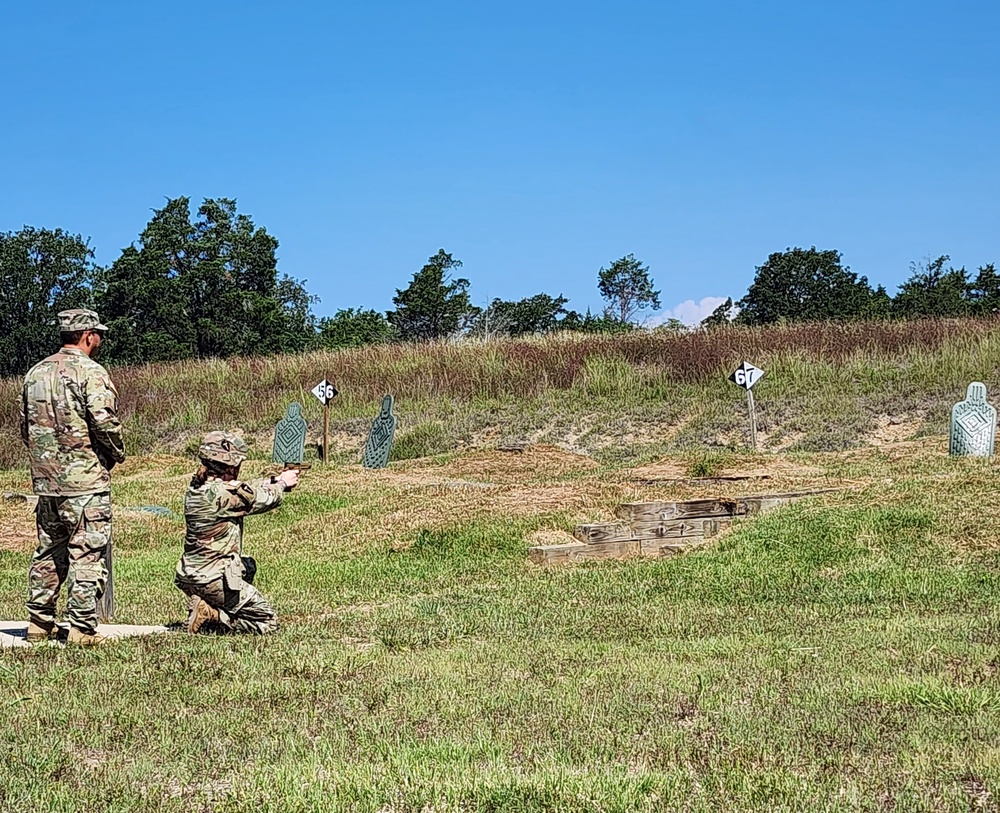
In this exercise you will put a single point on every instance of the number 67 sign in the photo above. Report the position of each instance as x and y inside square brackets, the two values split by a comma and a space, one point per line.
[746, 375]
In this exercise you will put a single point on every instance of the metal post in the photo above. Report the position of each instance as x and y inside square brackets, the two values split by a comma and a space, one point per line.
[752, 409]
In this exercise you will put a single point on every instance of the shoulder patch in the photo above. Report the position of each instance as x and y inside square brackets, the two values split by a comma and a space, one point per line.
[245, 492]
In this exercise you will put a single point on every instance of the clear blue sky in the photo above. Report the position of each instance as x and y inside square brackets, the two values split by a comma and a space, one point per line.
[534, 141]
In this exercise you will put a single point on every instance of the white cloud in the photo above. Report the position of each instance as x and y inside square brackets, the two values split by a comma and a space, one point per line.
[689, 312]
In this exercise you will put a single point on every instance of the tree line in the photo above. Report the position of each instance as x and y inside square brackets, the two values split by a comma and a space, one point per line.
[799, 285]
[205, 284]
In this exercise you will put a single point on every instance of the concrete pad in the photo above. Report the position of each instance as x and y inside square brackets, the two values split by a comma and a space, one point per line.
[128, 630]
[13, 633]
[13, 496]
[10, 641]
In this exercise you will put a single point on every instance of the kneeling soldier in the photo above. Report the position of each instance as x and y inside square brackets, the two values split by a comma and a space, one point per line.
[212, 571]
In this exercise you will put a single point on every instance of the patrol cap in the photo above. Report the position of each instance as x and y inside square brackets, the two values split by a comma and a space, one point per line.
[223, 447]
[79, 319]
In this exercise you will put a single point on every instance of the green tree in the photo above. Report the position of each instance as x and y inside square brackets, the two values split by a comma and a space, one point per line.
[141, 297]
[591, 323]
[627, 287]
[433, 306]
[354, 327]
[933, 290]
[671, 325]
[42, 272]
[720, 317]
[205, 287]
[879, 306]
[984, 291]
[804, 285]
[534, 314]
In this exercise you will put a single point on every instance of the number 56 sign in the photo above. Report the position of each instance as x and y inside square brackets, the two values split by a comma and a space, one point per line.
[325, 391]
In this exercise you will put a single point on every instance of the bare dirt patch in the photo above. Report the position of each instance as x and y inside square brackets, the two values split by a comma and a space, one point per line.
[889, 429]
[670, 470]
[454, 508]
[781, 441]
[534, 463]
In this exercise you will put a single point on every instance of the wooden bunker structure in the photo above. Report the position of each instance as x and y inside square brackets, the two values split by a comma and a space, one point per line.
[654, 529]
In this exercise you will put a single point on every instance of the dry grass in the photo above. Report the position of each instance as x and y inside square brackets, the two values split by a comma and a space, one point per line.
[535, 462]
[17, 526]
[586, 392]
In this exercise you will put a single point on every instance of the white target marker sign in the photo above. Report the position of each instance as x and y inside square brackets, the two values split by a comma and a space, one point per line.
[325, 391]
[746, 375]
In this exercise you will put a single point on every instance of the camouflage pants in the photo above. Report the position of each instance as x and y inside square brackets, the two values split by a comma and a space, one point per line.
[242, 607]
[73, 536]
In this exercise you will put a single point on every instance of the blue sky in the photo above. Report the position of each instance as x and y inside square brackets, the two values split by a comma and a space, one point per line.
[534, 141]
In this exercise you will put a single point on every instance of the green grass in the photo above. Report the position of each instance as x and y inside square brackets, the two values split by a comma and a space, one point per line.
[423, 440]
[838, 654]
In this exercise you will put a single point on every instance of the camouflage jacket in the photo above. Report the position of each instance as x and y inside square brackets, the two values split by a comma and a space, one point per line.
[70, 426]
[214, 538]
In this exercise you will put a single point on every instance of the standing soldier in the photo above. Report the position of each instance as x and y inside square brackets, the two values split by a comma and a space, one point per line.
[212, 572]
[70, 426]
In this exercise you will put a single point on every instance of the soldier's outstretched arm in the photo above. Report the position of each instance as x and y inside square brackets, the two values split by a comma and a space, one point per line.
[254, 497]
[102, 416]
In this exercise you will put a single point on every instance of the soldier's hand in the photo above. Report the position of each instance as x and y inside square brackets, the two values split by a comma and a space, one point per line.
[290, 478]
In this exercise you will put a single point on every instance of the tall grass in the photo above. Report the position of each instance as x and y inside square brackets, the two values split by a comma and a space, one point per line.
[163, 402]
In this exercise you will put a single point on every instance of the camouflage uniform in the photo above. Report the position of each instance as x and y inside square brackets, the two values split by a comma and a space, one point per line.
[70, 426]
[212, 567]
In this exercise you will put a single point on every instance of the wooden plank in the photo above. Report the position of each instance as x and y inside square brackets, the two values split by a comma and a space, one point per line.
[618, 549]
[583, 552]
[679, 528]
[765, 502]
[697, 509]
[552, 554]
[602, 532]
[662, 511]
[700, 481]
[755, 505]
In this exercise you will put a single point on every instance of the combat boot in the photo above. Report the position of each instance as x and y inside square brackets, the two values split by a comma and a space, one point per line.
[201, 613]
[81, 638]
[39, 632]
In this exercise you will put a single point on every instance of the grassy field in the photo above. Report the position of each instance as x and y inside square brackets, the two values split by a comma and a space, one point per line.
[840, 653]
[837, 654]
